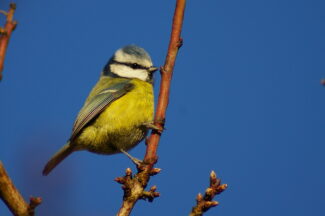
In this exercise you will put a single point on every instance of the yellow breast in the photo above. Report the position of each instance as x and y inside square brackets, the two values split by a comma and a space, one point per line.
[120, 125]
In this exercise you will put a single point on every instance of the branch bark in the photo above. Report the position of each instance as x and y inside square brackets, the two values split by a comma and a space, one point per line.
[204, 203]
[13, 199]
[134, 186]
[5, 34]
[9, 194]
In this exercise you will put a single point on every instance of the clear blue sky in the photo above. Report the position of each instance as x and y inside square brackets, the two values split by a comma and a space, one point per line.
[246, 101]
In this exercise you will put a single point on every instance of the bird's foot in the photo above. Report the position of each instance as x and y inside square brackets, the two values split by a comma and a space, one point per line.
[152, 126]
[136, 161]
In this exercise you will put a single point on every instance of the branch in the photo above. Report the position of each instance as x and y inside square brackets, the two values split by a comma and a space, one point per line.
[5, 33]
[204, 203]
[134, 186]
[13, 199]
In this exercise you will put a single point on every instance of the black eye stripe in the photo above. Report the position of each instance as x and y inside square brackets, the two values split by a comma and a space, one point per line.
[131, 65]
[136, 66]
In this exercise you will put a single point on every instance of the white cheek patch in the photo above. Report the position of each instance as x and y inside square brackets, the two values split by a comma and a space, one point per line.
[127, 72]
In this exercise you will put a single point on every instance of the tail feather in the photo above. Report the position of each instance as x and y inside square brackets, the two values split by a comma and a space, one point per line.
[64, 152]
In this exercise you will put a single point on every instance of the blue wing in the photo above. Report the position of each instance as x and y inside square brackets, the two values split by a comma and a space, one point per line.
[98, 103]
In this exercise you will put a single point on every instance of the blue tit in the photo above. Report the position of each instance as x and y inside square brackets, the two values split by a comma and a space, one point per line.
[119, 110]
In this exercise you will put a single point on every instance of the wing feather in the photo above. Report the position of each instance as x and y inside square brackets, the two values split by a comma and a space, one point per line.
[98, 103]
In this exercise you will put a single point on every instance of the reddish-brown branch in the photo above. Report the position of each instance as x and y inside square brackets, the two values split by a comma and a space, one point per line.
[5, 34]
[13, 199]
[166, 76]
[204, 203]
[134, 186]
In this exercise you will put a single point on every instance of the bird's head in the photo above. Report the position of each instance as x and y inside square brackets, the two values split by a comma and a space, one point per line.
[131, 62]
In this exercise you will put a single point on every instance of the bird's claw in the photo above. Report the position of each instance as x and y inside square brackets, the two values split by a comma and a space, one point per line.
[136, 161]
[152, 126]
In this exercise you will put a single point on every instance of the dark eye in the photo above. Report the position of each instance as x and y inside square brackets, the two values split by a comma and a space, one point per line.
[135, 66]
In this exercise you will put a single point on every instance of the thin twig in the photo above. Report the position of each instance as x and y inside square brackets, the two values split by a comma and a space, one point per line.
[13, 199]
[204, 203]
[134, 186]
[33, 203]
[5, 34]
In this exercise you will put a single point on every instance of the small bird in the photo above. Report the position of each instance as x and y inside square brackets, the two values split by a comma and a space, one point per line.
[118, 112]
